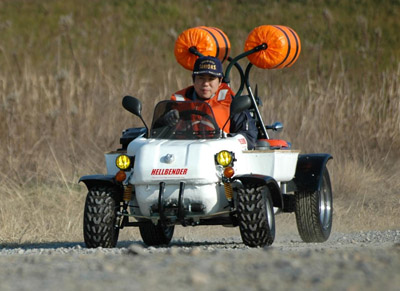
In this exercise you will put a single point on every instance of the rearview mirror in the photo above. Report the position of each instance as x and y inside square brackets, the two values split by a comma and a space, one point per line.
[277, 126]
[239, 104]
[133, 105]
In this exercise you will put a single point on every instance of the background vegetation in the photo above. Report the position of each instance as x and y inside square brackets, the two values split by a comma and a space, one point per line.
[65, 65]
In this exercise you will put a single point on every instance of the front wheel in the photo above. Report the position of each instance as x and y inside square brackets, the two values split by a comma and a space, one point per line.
[99, 219]
[314, 212]
[256, 216]
[155, 235]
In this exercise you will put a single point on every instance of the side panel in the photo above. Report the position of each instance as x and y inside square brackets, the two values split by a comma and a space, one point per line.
[279, 164]
[110, 162]
[309, 171]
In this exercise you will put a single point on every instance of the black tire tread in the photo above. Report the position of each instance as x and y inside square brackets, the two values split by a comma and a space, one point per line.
[252, 217]
[100, 216]
[308, 217]
[155, 235]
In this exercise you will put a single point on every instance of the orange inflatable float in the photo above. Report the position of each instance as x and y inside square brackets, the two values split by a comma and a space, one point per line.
[209, 41]
[283, 46]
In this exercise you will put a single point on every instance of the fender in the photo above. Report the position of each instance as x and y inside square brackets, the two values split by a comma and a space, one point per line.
[308, 175]
[95, 180]
[268, 181]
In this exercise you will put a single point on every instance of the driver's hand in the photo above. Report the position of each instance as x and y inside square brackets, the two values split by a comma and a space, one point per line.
[171, 118]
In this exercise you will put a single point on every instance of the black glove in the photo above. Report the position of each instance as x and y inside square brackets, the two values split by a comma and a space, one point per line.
[171, 118]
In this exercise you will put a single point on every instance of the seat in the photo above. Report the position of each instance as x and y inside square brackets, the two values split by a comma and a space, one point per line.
[272, 144]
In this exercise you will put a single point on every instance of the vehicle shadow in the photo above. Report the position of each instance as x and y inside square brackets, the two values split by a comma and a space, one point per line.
[120, 244]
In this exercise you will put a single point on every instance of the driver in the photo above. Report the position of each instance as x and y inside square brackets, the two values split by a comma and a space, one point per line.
[208, 87]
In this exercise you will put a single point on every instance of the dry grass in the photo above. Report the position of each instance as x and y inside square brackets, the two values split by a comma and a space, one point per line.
[52, 142]
[60, 114]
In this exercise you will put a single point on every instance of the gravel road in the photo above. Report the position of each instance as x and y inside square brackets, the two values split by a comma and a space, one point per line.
[347, 261]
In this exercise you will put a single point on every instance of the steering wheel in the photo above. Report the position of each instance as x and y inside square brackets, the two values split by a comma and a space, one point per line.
[187, 114]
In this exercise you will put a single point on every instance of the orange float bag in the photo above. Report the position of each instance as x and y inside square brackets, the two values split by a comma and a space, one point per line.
[209, 41]
[283, 46]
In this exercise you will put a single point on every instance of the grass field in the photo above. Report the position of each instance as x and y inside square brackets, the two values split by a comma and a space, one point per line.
[65, 65]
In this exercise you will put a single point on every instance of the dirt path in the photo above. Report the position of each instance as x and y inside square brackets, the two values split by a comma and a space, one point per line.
[205, 261]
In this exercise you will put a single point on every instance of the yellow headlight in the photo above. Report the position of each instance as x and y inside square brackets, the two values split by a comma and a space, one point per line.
[224, 158]
[123, 162]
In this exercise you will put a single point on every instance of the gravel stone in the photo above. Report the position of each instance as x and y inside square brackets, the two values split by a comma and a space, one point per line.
[365, 260]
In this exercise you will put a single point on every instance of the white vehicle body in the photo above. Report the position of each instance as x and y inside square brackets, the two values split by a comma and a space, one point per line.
[193, 162]
[186, 170]
[191, 173]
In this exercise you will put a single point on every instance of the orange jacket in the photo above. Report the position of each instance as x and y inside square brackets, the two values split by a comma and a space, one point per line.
[220, 103]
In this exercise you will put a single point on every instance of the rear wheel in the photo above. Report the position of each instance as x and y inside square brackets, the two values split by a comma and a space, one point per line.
[256, 216]
[154, 235]
[314, 212]
[99, 219]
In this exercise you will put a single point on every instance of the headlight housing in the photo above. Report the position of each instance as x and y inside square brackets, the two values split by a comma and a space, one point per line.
[224, 158]
[123, 162]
